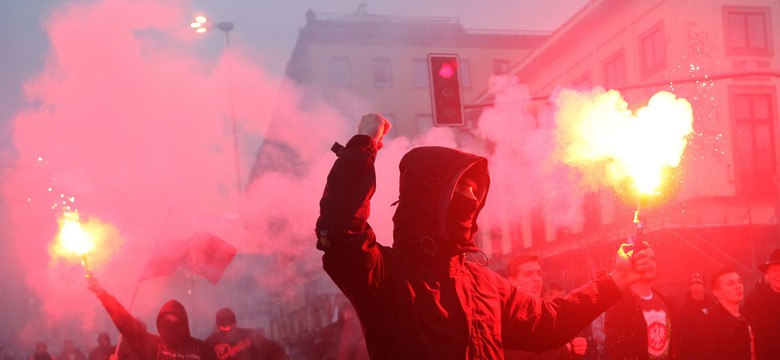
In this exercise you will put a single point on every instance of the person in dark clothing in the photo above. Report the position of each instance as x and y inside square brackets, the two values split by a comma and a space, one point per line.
[762, 307]
[41, 352]
[728, 335]
[691, 317]
[70, 352]
[104, 350]
[231, 342]
[640, 325]
[420, 298]
[174, 341]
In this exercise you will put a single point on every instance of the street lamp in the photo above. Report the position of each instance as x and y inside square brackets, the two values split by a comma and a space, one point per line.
[201, 25]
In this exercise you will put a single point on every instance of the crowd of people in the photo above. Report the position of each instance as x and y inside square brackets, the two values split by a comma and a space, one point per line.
[425, 298]
[646, 324]
[226, 342]
[103, 350]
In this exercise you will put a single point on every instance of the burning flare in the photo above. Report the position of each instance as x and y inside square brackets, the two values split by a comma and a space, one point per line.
[72, 237]
[75, 240]
[599, 134]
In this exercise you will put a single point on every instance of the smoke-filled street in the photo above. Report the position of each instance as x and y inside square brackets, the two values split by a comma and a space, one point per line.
[184, 150]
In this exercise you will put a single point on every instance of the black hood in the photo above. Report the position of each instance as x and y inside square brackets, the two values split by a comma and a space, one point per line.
[428, 179]
[176, 333]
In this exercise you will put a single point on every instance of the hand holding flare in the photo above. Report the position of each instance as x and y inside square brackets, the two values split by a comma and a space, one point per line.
[609, 143]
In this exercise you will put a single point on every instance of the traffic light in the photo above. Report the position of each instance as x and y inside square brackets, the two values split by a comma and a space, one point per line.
[446, 98]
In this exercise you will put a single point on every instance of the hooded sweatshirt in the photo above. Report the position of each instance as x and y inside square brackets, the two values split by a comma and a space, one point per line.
[174, 342]
[420, 299]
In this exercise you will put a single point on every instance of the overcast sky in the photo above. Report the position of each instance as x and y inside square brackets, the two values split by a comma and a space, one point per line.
[269, 27]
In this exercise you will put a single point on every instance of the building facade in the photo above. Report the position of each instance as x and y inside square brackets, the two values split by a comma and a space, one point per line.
[366, 62]
[722, 56]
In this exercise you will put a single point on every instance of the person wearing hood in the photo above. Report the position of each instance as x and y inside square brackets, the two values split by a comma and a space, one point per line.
[420, 298]
[231, 342]
[174, 341]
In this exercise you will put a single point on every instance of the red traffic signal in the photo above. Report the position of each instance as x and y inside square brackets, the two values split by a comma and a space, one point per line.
[446, 97]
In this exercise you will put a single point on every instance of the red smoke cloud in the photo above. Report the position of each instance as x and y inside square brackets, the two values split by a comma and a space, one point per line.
[129, 125]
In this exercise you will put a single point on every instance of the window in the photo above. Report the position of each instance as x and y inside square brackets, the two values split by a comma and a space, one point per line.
[754, 146]
[383, 73]
[465, 73]
[652, 50]
[420, 73]
[615, 69]
[747, 30]
[500, 67]
[339, 72]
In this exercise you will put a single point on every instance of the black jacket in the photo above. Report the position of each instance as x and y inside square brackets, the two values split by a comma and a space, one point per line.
[726, 337]
[625, 328]
[762, 308]
[420, 299]
[690, 326]
[149, 346]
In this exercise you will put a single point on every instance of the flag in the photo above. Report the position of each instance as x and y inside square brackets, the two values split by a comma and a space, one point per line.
[209, 256]
[162, 263]
[203, 253]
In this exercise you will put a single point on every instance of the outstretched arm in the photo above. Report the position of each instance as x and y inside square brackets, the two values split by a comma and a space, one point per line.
[130, 328]
[342, 228]
[540, 325]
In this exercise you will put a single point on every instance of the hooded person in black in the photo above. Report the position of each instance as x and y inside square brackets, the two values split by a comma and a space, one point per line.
[174, 341]
[231, 342]
[421, 299]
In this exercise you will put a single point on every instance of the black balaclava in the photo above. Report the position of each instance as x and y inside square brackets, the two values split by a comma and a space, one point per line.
[441, 193]
[173, 324]
[465, 202]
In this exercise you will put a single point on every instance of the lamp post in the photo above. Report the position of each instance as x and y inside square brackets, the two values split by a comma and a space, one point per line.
[201, 25]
